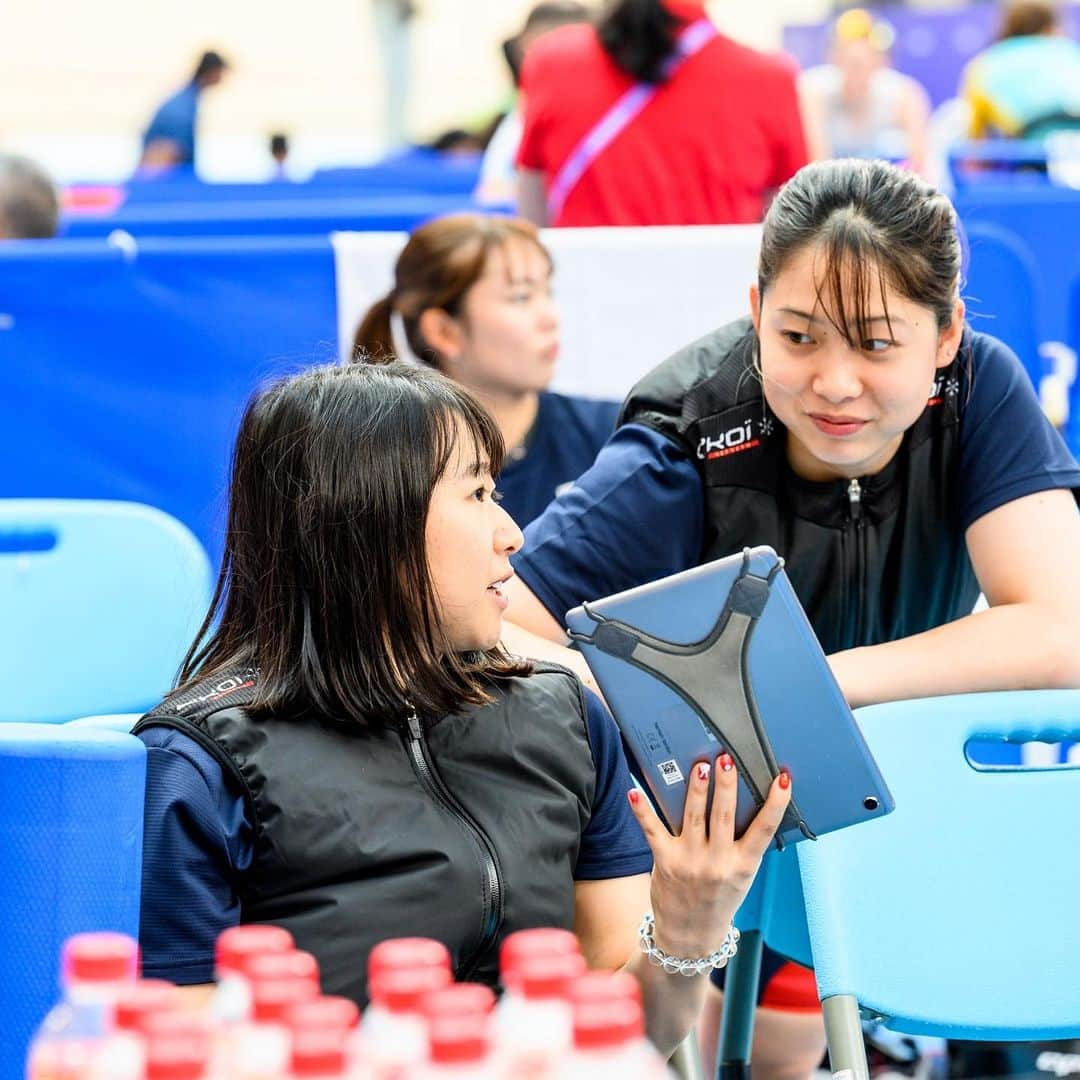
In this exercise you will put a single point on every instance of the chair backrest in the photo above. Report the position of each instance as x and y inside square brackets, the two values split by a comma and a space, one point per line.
[1003, 292]
[955, 915]
[100, 601]
[71, 832]
[775, 906]
[124, 721]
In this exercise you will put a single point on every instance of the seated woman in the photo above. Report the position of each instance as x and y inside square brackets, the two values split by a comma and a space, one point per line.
[350, 754]
[474, 297]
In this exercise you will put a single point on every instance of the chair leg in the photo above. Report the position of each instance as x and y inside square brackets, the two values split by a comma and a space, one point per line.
[686, 1061]
[740, 1003]
[843, 1032]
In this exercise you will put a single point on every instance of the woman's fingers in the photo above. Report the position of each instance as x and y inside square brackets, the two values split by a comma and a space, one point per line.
[759, 834]
[697, 798]
[725, 796]
[653, 828]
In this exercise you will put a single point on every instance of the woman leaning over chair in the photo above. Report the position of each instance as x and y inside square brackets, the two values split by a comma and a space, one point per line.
[351, 755]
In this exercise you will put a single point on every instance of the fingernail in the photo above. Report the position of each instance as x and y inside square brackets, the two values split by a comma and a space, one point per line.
[633, 795]
[703, 771]
[785, 779]
[725, 762]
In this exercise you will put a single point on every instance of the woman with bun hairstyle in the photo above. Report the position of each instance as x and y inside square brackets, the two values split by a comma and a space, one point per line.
[894, 456]
[474, 300]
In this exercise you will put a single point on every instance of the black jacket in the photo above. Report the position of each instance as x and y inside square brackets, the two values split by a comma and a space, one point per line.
[871, 560]
[463, 829]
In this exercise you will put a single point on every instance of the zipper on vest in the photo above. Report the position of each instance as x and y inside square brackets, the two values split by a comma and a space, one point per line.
[858, 567]
[854, 494]
[436, 787]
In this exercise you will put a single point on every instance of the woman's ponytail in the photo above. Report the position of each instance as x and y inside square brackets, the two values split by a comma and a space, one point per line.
[639, 36]
[374, 341]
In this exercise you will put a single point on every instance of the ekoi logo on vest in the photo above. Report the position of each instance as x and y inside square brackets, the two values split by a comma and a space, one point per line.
[945, 385]
[220, 690]
[746, 434]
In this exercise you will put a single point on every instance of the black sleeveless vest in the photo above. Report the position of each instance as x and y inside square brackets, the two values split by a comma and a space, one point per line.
[871, 560]
[464, 829]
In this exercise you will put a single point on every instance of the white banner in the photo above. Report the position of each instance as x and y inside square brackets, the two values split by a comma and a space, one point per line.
[628, 298]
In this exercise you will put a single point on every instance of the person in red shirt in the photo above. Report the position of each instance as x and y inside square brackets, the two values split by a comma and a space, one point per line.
[652, 117]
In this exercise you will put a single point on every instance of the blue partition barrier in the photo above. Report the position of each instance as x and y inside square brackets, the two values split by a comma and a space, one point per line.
[124, 377]
[266, 217]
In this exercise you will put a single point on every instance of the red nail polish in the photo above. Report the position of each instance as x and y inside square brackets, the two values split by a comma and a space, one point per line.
[633, 795]
[785, 779]
[703, 771]
[725, 762]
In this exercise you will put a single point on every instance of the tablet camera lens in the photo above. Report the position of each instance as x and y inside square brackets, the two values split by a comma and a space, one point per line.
[870, 802]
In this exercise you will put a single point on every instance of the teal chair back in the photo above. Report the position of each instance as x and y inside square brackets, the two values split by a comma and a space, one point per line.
[100, 600]
[956, 915]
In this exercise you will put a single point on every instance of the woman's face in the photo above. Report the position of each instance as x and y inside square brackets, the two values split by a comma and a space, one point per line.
[846, 409]
[506, 338]
[470, 539]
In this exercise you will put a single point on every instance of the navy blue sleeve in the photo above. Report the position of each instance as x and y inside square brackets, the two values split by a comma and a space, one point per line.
[1008, 448]
[197, 841]
[613, 844]
[635, 516]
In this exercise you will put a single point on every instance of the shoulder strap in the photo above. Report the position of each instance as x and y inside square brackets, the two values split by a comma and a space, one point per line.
[691, 39]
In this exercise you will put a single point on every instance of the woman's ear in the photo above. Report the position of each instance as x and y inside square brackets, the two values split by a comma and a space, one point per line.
[442, 333]
[949, 338]
[755, 308]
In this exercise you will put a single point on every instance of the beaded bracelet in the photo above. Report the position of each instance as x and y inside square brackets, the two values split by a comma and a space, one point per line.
[676, 965]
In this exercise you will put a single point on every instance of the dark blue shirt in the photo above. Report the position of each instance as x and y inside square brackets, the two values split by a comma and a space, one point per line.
[198, 844]
[564, 441]
[175, 121]
[638, 513]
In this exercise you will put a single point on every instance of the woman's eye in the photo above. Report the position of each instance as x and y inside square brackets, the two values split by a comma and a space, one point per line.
[877, 344]
[797, 337]
[482, 493]
[520, 296]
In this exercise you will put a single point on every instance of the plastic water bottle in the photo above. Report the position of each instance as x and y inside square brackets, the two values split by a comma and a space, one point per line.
[319, 1055]
[542, 941]
[95, 969]
[319, 1031]
[179, 1046]
[397, 954]
[459, 1049]
[394, 1030]
[465, 999]
[534, 1021]
[609, 1040]
[231, 1002]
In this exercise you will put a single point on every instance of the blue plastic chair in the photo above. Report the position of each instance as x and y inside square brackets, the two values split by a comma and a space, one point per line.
[955, 915]
[100, 600]
[71, 832]
[123, 722]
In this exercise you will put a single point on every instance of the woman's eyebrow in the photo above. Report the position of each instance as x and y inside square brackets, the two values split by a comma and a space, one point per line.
[477, 469]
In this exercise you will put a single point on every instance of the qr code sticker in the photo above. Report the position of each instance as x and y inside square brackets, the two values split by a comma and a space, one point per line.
[671, 772]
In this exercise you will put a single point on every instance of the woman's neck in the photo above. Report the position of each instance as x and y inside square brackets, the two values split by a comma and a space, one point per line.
[514, 413]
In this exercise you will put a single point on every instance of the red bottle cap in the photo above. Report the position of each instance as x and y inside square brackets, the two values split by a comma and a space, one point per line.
[99, 958]
[294, 964]
[271, 999]
[319, 1053]
[459, 999]
[177, 1045]
[459, 1040]
[543, 977]
[602, 1025]
[605, 986]
[410, 952]
[253, 939]
[145, 998]
[543, 941]
[326, 1013]
[403, 990]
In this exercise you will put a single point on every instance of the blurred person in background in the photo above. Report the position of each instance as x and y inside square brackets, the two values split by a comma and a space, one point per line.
[473, 296]
[498, 174]
[1027, 84]
[29, 206]
[653, 117]
[857, 105]
[169, 141]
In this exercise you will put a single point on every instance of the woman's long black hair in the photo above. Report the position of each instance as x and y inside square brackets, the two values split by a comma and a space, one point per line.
[324, 585]
[639, 36]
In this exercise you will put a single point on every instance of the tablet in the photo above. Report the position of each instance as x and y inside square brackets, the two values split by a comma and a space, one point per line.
[723, 658]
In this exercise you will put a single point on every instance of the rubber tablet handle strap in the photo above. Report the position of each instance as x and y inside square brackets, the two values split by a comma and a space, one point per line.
[711, 676]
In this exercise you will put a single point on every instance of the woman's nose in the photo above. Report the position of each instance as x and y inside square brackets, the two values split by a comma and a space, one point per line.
[837, 377]
[508, 537]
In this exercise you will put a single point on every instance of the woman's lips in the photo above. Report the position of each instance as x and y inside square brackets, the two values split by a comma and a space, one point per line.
[837, 426]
